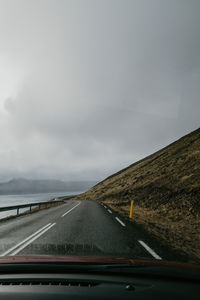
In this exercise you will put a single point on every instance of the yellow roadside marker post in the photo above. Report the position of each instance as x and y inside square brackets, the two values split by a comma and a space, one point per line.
[131, 210]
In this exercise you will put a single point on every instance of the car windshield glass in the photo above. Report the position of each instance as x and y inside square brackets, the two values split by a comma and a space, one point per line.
[99, 130]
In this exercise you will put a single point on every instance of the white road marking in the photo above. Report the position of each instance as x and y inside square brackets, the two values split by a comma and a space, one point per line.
[151, 251]
[120, 221]
[105, 206]
[109, 211]
[31, 240]
[71, 209]
[29, 237]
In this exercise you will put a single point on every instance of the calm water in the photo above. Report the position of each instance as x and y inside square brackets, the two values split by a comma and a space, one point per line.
[10, 200]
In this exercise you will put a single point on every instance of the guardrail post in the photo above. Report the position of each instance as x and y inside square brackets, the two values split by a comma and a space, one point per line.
[30, 205]
[131, 210]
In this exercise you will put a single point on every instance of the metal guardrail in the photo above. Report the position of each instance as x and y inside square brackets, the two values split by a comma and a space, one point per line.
[17, 207]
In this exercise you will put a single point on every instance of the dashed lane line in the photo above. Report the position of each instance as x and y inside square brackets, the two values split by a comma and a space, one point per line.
[71, 209]
[151, 251]
[122, 223]
[20, 246]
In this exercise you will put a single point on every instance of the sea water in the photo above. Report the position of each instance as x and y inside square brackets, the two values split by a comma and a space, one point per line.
[10, 200]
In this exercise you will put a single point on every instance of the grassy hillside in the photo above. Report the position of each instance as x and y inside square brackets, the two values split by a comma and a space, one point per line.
[165, 188]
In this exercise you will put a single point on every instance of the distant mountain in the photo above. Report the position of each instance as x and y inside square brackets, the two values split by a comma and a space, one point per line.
[165, 188]
[25, 186]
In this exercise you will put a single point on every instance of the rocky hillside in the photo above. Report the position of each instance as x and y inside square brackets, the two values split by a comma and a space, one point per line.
[165, 188]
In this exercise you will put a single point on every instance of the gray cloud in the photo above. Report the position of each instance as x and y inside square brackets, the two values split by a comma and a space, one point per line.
[88, 87]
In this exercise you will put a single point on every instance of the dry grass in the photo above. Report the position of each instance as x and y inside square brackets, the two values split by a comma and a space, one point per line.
[171, 225]
[165, 188]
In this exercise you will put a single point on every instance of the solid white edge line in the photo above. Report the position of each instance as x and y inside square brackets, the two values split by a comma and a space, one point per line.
[120, 221]
[26, 239]
[31, 240]
[151, 251]
[71, 209]
[109, 211]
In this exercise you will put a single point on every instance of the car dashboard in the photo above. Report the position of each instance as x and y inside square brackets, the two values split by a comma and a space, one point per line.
[91, 285]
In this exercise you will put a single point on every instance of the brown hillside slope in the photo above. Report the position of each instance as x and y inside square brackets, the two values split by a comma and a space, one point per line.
[165, 188]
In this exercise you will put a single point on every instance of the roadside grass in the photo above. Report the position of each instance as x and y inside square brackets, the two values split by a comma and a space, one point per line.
[165, 188]
[175, 230]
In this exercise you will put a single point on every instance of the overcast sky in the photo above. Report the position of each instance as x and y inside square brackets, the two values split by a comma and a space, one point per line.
[89, 87]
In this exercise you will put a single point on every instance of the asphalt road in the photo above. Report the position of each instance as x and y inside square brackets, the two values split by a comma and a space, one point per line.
[78, 228]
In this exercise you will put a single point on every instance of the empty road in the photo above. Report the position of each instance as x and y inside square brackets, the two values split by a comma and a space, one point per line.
[77, 228]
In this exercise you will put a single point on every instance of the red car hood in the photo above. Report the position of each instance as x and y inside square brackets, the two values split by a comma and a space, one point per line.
[95, 260]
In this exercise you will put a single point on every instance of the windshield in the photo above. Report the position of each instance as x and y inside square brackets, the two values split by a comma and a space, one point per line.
[99, 128]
